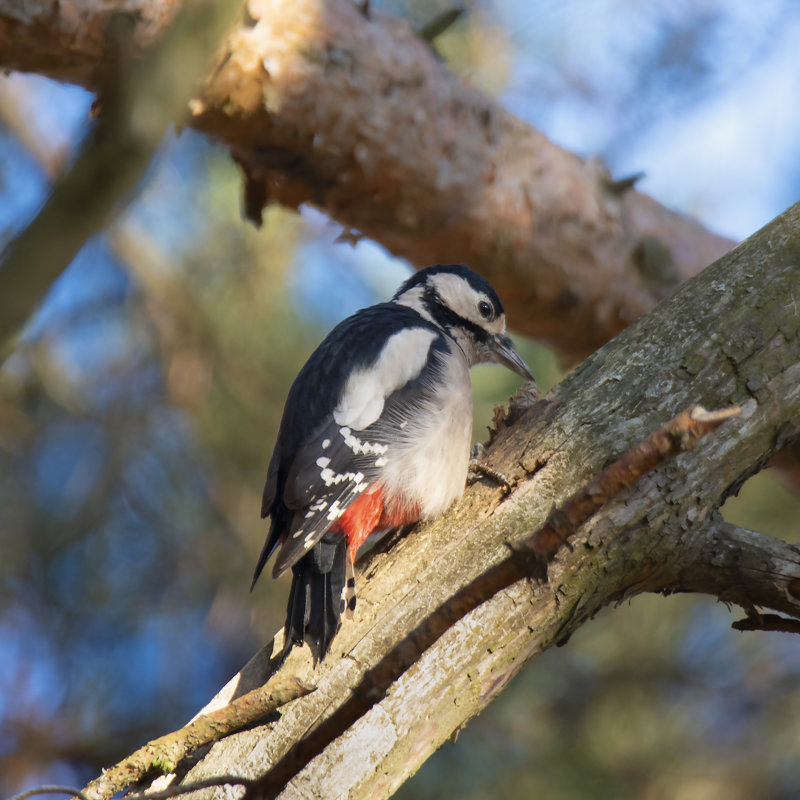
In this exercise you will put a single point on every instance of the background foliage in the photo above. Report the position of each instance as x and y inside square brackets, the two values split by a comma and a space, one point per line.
[139, 409]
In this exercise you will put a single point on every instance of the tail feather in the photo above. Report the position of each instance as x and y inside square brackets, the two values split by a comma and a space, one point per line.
[350, 590]
[316, 600]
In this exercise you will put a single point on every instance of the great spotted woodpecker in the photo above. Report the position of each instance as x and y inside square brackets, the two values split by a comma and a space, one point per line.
[376, 434]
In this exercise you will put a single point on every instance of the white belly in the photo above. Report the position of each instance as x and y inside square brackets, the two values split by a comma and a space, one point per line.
[428, 466]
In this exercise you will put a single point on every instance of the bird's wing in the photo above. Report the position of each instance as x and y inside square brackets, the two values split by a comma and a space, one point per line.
[328, 473]
[267, 508]
[346, 456]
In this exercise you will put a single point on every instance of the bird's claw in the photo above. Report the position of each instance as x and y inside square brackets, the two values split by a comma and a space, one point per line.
[477, 469]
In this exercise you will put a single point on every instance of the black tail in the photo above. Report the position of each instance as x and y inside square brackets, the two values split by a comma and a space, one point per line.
[316, 601]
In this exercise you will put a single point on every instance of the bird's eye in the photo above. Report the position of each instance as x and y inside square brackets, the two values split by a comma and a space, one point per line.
[485, 309]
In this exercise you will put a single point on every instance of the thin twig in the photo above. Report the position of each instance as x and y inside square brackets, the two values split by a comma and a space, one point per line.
[527, 557]
[164, 753]
[439, 24]
[138, 104]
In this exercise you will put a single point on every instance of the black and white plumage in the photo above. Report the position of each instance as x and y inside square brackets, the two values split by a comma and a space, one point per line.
[376, 433]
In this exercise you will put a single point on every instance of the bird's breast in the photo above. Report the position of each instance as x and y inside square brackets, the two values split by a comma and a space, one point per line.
[428, 464]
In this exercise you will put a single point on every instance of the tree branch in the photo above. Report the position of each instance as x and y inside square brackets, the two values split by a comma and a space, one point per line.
[164, 754]
[677, 436]
[312, 102]
[353, 113]
[525, 560]
[767, 622]
[662, 535]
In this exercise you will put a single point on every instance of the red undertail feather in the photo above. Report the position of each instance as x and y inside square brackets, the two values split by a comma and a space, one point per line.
[370, 513]
[323, 584]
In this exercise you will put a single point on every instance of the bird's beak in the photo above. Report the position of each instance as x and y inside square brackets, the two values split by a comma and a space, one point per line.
[505, 354]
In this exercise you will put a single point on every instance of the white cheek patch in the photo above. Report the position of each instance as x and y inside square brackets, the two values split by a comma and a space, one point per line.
[458, 295]
[402, 359]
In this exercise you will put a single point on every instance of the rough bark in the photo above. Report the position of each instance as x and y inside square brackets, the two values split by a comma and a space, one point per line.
[351, 112]
[730, 336]
[527, 557]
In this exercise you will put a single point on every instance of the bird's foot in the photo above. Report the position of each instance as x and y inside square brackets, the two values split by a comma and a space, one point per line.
[477, 469]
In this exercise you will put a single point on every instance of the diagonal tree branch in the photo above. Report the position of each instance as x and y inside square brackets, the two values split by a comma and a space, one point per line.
[663, 535]
[164, 754]
[351, 112]
[678, 435]
[526, 559]
[730, 336]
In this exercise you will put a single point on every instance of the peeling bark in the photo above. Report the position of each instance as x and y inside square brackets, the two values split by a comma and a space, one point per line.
[352, 113]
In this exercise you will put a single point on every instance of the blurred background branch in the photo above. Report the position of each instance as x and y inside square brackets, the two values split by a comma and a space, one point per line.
[354, 114]
[139, 99]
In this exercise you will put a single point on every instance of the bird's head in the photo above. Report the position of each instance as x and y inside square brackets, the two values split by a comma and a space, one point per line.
[466, 306]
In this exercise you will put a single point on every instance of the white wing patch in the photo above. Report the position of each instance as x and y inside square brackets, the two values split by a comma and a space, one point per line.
[403, 357]
[330, 477]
